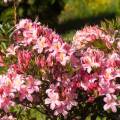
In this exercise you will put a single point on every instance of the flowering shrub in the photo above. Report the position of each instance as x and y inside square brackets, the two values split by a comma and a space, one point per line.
[99, 70]
[58, 79]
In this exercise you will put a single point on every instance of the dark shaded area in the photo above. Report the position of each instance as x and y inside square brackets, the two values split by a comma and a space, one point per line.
[79, 23]
[45, 10]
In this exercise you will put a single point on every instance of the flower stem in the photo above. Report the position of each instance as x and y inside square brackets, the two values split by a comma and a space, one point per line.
[15, 11]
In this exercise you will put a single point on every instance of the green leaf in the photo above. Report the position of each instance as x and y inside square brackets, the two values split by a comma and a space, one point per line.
[104, 118]
[98, 118]
[88, 118]
[37, 115]
[3, 45]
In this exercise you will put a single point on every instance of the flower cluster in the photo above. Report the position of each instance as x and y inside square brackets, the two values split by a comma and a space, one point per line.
[42, 41]
[13, 86]
[99, 69]
[90, 34]
[8, 118]
[61, 97]
[95, 71]
[36, 47]
[42, 66]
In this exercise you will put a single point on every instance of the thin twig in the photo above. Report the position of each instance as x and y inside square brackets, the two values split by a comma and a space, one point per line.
[15, 11]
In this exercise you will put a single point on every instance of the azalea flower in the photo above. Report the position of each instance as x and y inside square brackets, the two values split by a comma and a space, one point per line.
[111, 103]
[53, 100]
[10, 117]
[61, 109]
[24, 58]
[89, 34]
[46, 68]
[12, 50]
[40, 44]
[92, 58]
[18, 82]
[24, 23]
[62, 58]
[2, 64]
[118, 45]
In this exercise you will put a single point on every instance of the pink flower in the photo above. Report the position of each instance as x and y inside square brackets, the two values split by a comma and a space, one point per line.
[10, 117]
[62, 101]
[118, 45]
[18, 82]
[29, 88]
[55, 47]
[92, 58]
[110, 73]
[111, 103]
[40, 61]
[7, 102]
[13, 85]
[106, 87]
[70, 100]
[88, 35]
[32, 84]
[88, 82]
[24, 23]
[61, 109]
[40, 44]
[83, 68]
[113, 60]
[62, 58]
[12, 50]
[53, 100]
[2, 64]
[27, 32]
[25, 93]
[24, 58]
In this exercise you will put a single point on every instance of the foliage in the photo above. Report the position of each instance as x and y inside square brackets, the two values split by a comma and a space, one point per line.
[46, 10]
[53, 12]
[82, 9]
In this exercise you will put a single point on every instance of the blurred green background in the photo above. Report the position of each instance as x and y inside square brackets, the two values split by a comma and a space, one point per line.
[65, 16]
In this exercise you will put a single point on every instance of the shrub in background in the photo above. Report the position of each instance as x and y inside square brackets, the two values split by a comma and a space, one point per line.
[46, 10]
[82, 9]
[53, 12]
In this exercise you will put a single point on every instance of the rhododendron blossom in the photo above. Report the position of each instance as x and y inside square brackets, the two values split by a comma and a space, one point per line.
[99, 69]
[89, 35]
[44, 72]
[53, 100]
[1, 62]
[12, 50]
[111, 102]
[12, 84]
[92, 59]
[10, 117]
[118, 45]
